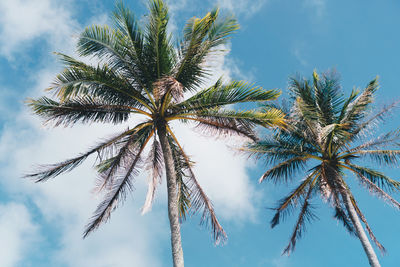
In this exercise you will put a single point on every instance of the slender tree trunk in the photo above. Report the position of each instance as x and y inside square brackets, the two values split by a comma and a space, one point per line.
[173, 212]
[372, 258]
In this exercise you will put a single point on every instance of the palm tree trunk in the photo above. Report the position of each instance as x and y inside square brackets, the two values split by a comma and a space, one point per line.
[372, 258]
[173, 212]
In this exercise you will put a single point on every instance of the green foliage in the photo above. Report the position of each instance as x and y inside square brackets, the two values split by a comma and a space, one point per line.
[327, 132]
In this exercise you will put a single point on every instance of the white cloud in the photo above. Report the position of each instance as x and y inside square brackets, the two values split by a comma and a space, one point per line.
[25, 21]
[17, 233]
[242, 7]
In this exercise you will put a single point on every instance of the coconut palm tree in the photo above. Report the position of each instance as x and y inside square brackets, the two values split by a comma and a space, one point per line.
[140, 73]
[326, 139]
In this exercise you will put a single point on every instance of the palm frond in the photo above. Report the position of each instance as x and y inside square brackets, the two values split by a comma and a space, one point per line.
[391, 138]
[285, 170]
[120, 184]
[155, 163]
[180, 164]
[376, 177]
[374, 119]
[79, 109]
[306, 215]
[46, 172]
[201, 38]
[343, 217]
[287, 204]
[199, 200]
[158, 53]
[375, 189]
[357, 108]
[381, 157]
[108, 168]
[232, 93]
[80, 79]
[224, 126]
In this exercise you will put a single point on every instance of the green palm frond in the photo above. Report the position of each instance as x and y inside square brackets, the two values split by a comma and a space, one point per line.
[80, 79]
[201, 38]
[284, 171]
[232, 93]
[357, 108]
[376, 189]
[376, 177]
[158, 52]
[83, 109]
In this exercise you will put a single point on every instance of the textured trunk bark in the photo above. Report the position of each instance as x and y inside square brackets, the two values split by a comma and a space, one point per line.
[173, 212]
[372, 258]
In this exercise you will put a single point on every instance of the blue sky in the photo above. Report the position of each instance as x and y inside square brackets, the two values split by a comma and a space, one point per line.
[41, 224]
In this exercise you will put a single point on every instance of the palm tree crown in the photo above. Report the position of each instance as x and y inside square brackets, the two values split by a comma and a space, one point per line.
[141, 72]
[326, 134]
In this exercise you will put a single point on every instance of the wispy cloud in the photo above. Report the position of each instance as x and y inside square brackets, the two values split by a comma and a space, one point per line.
[23, 21]
[318, 6]
[246, 8]
[298, 51]
[18, 232]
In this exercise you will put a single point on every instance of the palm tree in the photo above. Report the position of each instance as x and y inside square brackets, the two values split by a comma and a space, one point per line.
[141, 73]
[327, 136]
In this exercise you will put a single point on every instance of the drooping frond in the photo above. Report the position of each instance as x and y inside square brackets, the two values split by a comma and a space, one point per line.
[306, 215]
[79, 109]
[290, 202]
[198, 198]
[123, 182]
[50, 171]
[181, 166]
[376, 177]
[375, 189]
[342, 216]
[109, 167]
[280, 148]
[155, 163]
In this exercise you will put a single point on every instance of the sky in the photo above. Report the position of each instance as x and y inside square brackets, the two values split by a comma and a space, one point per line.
[42, 224]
